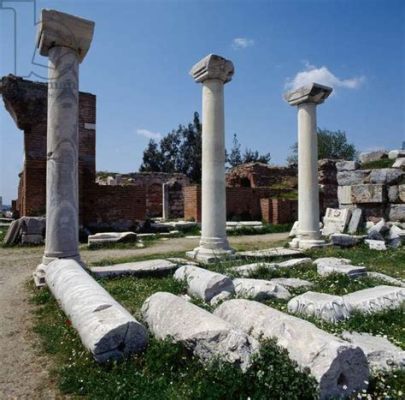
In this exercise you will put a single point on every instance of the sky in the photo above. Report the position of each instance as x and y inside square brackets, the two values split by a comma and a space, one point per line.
[139, 61]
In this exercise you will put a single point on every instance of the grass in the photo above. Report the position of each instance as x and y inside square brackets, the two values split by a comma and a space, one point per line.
[168, 371]
[383, 163]
[267, 228]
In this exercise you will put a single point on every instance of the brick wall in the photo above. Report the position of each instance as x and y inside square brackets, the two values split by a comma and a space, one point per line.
[192, 202]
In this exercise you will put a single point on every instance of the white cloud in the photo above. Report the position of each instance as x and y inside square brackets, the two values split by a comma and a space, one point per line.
[149, 134]
[323, 76]
[242, 43]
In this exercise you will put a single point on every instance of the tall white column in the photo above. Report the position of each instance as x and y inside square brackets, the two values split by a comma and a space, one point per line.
[213, 72]
[65, 39]
[306, 99]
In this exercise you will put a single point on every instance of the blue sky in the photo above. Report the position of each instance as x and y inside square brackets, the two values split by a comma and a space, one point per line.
[142, 51]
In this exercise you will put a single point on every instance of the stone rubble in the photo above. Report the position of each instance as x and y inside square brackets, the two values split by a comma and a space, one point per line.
[138, 268]
[202, 283]
[376, 244]
[259, 289]
[271, 252]
[249, 269]
[292, 283]
[339, 367]
[206, 335]
[105, 328]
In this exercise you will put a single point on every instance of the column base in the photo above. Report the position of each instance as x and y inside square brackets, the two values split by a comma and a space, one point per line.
[306, 244]
[207, 256]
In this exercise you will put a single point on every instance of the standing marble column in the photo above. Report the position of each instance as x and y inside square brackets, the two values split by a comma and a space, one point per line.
[306, 99]
[213, 72]
[65, 40]
[165, 202]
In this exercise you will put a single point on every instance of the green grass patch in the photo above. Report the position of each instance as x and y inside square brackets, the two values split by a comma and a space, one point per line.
[383, 163]
[267, 228]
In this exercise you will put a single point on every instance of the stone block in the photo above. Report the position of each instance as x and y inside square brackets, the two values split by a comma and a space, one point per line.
[352, 271]
[101, 239]
[399, 163]
[347, 165]
[319, 305]
[139, 268]
[356, 221]
[272, 252]
[339, 367]
[401, 193]
[394, 154]
[375, 244]
[292, 283]
[344, 240]
[372, 156]
[393, 194]
[249, 269]
[348, 178]
[397, 212]
[378, 230]
[202, 283]
[381, 354]
[376, 299]
[387, 176]
[259, 289]
[206, 335]
[105, 328]
[335, 221]
[386, 278]
[32, 239]
[369, 194]
[331, 262]
[345, 194]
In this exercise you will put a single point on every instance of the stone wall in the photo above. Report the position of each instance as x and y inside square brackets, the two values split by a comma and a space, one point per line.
[327, 177]
[380, 193]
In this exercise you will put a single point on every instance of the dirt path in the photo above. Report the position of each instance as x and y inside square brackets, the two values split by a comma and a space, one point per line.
[24, 370]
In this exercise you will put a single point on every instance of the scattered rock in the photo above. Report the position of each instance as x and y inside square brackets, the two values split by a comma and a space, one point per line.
[330, 360]
[202, 283]
[101, 239]
[320, 305]
[249, 269]
[206, 335]
[259, 289]
[331, 262]
[352, 271]
[292, 283]
[294, 262]
[139, 268]
[372, 300]
[377, 231]
[105, 328]
[372, 156]
[386, 278]
[345, 240]
[376, 244]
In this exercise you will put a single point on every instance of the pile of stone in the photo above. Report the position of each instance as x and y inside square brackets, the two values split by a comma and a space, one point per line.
[382, 235]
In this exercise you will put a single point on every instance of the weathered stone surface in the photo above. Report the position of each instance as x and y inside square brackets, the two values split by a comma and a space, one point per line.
[335, 221]
[376, 244]
[344, 240]
[348, 178]
[320, 305]
[331, 262]
[397, 212]
[377, 231]
[206, 335]
[388, 176]
[393, 154]
[369, 194]
[401, 193]
[249, 269]
[393, 194]
[347, 165]
[292, 283]
[372, 156]
[105, 328]
[356, 221]
[259, 289]
[339, 367]
[100, 239]
[381, 354]
[272, 252]
[399, 163]
[345, 194]
[375, 299]
[386, 278]
[25, 227]
[294, 262]
[139, 268]
[395, 236]
[202, 283]
[219, 298]
[352, 271]
[294, 230]
[181, 261]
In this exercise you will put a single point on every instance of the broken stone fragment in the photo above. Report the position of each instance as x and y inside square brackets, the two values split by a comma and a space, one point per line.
[372, 156]
[105, 328]
[249, 269]
[381, 354]
[294, 262]
[259, 289]
[376, 244]
[386, 278]
[345, 240]
[339, 367]
[202, 283]
[100, 239]
[292, 283]
[206, 335]
[327, 266]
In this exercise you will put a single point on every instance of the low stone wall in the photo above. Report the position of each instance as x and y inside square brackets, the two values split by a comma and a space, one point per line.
[380, 193]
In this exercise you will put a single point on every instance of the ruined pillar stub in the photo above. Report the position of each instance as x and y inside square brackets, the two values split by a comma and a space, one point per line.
[213, 72]
[65, 40]
[306, 98]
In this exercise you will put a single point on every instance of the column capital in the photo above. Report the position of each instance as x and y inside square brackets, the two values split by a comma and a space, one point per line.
[60, 29]
[213, 67]
[312, 93]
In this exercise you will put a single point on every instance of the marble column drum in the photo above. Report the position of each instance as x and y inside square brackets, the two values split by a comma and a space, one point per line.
[213, 72]
[306, 99]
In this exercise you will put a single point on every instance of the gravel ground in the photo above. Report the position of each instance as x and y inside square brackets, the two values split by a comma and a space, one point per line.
[24, 370]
